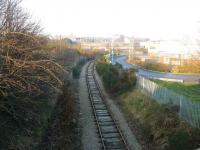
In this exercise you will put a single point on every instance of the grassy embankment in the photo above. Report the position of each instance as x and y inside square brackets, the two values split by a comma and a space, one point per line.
[61, 131]
[159, 126]
[188, 89]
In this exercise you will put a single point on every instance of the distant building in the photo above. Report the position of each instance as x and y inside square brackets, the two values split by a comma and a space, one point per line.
[153, 48]
[94, 43]
[93, 40]
[168, 52]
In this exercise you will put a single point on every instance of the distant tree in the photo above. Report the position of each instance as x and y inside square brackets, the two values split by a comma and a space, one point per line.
[188, 66]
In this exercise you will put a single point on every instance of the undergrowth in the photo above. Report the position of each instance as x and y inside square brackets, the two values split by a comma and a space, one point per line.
[76, 70]
[159, 124]
[115, 79]
[62, 133]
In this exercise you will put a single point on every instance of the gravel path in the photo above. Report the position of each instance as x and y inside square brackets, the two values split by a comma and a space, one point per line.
[89, 137]
[118, 116]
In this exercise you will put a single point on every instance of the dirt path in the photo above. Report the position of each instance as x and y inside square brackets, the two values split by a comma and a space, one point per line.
[118, 116]
[89, 137]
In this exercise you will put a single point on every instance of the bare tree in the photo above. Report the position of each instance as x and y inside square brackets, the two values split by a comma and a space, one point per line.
[25, 69]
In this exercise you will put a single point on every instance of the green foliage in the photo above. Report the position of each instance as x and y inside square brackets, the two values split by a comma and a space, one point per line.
[180, 140]
[127, 79]
[30, 112]
[114, 78]
[110, 75]
[61, 125]
[160, 126]
[77, 69]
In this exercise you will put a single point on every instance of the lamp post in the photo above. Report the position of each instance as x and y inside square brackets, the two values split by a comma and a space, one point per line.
[112, 51]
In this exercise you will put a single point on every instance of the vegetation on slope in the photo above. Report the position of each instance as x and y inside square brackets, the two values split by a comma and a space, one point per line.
[77, 68]
[157, 126]
[30, 80]
[62, 131]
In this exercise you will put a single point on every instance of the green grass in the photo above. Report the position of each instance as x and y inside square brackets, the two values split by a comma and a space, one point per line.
[187, 89]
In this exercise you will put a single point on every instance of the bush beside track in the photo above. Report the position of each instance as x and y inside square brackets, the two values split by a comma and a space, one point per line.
[76, 70]
[114, 78]
[157, 127]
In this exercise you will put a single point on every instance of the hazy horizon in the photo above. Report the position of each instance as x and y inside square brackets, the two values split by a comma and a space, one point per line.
[171, 19]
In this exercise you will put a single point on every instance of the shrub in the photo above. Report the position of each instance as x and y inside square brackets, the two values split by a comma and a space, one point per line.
[127, 79]
[190, 66]
[151, 65]
[180, 140]
[160, 126]
[110, 75]
[115, 79]
[77, 69]
[29, 80]
[156, 66]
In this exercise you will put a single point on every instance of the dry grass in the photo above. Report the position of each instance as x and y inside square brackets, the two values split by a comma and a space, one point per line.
[62, 132]
[160, 126]
[29, 79]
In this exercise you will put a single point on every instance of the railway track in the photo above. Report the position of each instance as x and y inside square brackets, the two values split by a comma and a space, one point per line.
[110, 135]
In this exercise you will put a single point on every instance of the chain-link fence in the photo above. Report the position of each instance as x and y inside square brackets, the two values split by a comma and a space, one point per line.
[187, 109]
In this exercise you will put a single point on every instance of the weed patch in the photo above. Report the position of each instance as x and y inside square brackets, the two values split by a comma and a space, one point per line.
[160, 126]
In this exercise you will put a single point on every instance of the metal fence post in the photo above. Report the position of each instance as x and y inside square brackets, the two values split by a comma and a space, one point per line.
[188, 110]
[165, 95]
[180, 106]
[143, 82]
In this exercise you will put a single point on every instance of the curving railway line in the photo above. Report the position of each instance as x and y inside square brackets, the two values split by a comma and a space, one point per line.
[110, 135]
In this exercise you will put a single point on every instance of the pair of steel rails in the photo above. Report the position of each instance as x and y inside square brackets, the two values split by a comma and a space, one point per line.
[109, 132]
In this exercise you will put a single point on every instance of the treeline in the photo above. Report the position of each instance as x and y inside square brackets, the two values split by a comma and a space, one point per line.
[190, 66]
[151, 65]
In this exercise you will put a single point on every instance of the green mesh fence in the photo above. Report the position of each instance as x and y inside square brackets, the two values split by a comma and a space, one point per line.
[187, 109]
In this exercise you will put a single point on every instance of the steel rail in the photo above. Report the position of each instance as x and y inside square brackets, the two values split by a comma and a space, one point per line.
[91, 66]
